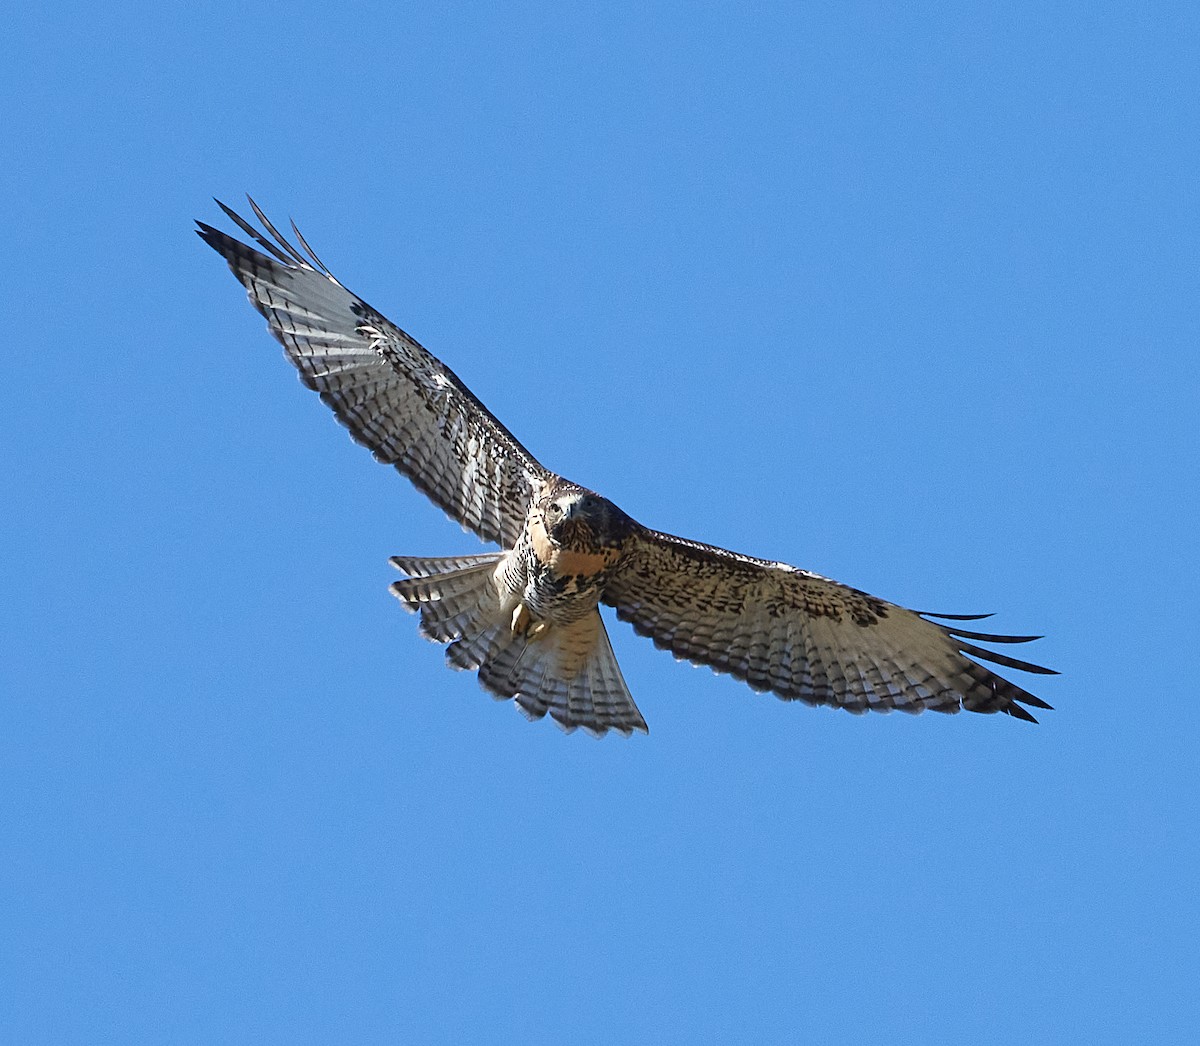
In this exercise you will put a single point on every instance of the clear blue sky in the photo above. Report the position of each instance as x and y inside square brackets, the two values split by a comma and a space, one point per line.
[905, 294]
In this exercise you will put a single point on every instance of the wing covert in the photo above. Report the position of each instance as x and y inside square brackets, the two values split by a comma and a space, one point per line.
[803, 636]
[395, 397]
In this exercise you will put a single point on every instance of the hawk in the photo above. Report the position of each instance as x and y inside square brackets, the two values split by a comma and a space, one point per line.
[527, 618]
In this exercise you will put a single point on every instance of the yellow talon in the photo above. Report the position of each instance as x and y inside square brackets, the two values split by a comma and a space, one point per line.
[521, 619]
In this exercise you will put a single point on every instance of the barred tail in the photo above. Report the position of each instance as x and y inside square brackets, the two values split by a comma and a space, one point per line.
[567, 670]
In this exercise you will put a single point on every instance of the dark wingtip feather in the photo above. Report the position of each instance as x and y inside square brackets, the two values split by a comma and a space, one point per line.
[272, 249]
[206, 232]
[296, 257]
[311, 253]
[221, 242]
[1003, 659]
[989, 637]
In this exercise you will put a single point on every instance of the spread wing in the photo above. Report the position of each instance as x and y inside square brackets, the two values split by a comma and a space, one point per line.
[402, 403]
[805, 637]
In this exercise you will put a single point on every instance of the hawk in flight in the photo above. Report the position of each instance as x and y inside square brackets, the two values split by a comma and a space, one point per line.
[527, 618]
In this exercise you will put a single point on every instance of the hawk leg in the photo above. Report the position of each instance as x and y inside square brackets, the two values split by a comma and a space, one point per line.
[523, 623]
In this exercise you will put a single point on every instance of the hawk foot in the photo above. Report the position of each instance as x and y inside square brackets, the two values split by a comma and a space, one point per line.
[523, 623]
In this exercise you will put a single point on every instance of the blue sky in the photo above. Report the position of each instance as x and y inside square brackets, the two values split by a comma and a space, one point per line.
[904, 294]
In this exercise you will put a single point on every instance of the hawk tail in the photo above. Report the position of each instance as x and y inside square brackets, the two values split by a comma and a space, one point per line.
[569, 671]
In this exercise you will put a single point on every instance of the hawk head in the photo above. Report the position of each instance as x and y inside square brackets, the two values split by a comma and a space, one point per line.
[581, 520]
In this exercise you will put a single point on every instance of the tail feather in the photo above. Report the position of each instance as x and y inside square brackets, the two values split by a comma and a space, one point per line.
[568, 671]
[576, 679]
[453, 604]
[429, 566]
[479, 649]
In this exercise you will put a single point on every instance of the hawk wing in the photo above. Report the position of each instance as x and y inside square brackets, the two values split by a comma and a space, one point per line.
[805, 637]
[402, 403]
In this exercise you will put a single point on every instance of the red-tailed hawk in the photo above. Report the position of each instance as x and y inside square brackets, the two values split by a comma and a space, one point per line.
[527, 617]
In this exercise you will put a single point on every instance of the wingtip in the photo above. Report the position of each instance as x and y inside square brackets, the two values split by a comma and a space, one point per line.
[229, 211]
[1020, 712]
[210, 236]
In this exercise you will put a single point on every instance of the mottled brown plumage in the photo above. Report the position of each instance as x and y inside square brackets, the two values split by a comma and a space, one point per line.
[527, 618]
